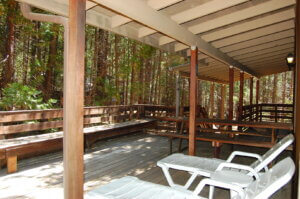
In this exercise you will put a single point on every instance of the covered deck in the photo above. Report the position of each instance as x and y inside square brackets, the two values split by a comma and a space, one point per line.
[134, 155]
[224, 42]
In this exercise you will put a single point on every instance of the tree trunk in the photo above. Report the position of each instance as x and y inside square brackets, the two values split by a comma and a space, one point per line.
[132, 75]
[274, 93]
[117, 57]
[8, 70]
[49, 76]
[283, 88]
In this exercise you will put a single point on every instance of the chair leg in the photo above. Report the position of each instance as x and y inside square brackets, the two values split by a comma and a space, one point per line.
[171, 145]
[11, 164]
[211, 192]
[190, 180]
[168, 176]
[217, 151]
[180, 145]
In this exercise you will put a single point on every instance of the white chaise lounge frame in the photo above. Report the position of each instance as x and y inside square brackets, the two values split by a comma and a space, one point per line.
[132, 187]
[206, 166]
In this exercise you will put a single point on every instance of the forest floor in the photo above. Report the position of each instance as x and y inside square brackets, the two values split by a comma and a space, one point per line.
[134, 155]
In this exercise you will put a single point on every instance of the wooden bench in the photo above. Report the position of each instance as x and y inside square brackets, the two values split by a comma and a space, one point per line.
[98, 125]
[256, 138]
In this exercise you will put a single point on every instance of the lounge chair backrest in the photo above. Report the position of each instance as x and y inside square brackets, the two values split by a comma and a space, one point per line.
[273, 152]
[271, 181]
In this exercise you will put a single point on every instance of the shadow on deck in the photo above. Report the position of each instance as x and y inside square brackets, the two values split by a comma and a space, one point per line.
[134, 155]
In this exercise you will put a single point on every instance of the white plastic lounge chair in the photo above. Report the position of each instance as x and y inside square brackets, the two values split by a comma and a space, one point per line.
[206, 166]
[133, 188]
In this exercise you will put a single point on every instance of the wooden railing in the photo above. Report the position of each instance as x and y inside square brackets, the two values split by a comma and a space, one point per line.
[30, 121]
[12, 122]
[267, 112]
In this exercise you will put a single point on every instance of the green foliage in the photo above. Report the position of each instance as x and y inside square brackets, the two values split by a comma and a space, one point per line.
[19, 96]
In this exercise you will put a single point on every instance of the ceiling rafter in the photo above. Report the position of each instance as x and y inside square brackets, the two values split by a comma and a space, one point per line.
[119, 20]
[95, 19]
[235, 17]
[259, 32]
[142, 13]
[244, 27]
[195, 12]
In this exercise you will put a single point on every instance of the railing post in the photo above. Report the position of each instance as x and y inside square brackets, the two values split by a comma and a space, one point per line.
[260, 112]
[276, 114]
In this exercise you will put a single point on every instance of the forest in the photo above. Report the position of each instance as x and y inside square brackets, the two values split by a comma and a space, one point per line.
[118, 70]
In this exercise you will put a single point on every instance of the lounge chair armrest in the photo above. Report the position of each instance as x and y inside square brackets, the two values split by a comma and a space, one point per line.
[245, 154]
[238, 166]
[220, 184]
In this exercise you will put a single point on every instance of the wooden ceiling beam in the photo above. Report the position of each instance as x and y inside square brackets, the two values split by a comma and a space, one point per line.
[259, 41]
[142, 13]
[196, 12]
[249, 25]
[244, 27]
[96, 19]
[202, 77]
[119, 20]
[269, 50]
[262, 46]
[259, 32]
[243, 14]
[266, 55]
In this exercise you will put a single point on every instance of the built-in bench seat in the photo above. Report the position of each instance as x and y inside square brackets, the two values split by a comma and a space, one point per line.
[10, 149]
[122, 120]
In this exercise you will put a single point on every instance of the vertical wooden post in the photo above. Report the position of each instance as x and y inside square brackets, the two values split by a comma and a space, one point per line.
[257, 91]
[251, 91]
[231, 76]
[251, 98]
[73, 102]
[177, 94]
[296, 183]
[257, 99]
[241, 100]
[212, 100]
[193, 100]
[222, 108]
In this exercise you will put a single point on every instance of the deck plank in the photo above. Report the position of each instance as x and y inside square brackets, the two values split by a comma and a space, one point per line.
[135, 155]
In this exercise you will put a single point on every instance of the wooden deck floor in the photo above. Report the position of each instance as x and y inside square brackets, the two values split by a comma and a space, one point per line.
[135, 155]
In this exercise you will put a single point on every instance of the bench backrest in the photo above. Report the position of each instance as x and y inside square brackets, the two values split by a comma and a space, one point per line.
[273, 152]
[16, 122]
[271, 181]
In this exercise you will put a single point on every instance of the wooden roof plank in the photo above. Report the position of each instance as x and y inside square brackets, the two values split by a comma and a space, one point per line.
[142, 13]
[197, 12]
[259, 40]
[240, 15]
[119, 20]
[259, 32]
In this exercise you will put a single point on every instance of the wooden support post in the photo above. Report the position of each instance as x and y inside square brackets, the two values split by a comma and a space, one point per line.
[193, 100]
[217, 149]
[257, 99]
[223, 96]
[177, 94]
[251, 99]
[11, 164]
[230, 115]
[212, 100]
[296, 183]
[73, 102]
[231, 76]
[251, 91]
[241, 100]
